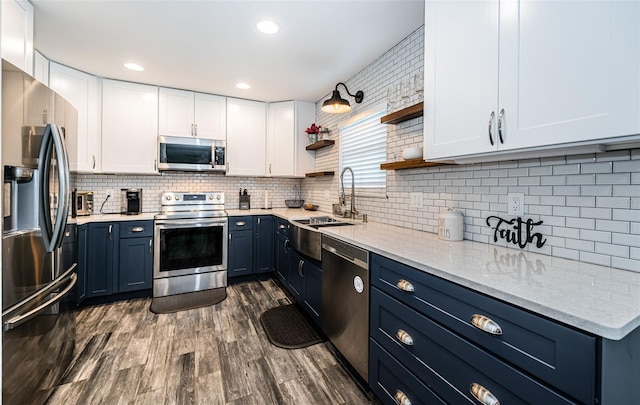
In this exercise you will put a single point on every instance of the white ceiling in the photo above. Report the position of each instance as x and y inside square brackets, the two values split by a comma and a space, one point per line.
[210, 45]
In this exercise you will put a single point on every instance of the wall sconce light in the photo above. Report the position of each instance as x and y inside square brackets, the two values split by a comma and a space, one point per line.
[338, 105]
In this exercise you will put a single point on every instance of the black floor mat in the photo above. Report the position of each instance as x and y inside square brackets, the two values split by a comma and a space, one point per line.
[182, 302]
[287, 327]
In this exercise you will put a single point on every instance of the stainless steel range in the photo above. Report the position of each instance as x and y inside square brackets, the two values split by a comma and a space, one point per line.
[190, 237]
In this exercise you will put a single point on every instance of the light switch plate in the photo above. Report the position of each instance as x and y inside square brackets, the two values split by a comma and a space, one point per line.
[417, 200]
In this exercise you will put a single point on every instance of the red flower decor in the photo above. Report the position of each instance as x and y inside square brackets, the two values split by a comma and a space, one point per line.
[313, 129]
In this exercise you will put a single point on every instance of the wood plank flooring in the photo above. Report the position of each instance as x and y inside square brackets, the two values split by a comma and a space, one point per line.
[215, 355]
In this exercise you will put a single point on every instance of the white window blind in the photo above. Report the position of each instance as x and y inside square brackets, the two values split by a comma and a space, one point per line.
[363, 146]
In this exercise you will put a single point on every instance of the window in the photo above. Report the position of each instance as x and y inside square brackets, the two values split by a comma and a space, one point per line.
[363, 147]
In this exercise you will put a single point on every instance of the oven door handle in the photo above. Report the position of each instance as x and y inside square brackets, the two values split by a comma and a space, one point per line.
[177, 223]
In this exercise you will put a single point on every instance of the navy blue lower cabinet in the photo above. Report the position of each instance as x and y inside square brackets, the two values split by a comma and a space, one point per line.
[295, 281]
[263, 247]
[240, 253]
[81, 293]
[392, 382]
[135, 270]
[456, 369]
[281, 258]
[101, 248]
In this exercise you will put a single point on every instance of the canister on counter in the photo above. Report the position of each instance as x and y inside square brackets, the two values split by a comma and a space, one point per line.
[451, 225]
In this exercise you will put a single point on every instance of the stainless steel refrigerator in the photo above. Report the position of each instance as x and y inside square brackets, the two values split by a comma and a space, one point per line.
[39, 253]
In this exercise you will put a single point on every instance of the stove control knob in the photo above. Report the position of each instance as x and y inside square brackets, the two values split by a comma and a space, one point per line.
[211, 196]
[218, 197]
[177, 197]
[168, 197]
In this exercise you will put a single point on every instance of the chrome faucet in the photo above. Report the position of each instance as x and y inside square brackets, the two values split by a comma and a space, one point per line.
[352, 212]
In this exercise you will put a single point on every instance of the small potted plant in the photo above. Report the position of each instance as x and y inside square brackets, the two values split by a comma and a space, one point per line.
[312, 131]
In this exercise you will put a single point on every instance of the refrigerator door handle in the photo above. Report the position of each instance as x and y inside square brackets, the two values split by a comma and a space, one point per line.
[43, 291]
[53, 235]
[20, 319]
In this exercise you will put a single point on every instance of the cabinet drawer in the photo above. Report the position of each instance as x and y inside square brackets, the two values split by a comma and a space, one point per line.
[557, 354]
[136, 229]
[240, 223]
[389, 379]
[282, 226]
[440, 357]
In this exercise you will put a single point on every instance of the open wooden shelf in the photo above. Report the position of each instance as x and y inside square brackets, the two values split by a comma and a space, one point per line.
[320, 144]
[409, 164]
[405, 114]
[320, 174]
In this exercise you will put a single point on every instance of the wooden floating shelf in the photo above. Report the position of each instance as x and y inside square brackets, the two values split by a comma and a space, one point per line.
[405, 114]
[320, 144]
[320, 174]
[410, 164]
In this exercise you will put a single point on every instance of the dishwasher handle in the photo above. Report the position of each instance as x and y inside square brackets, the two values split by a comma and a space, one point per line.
[351, 259]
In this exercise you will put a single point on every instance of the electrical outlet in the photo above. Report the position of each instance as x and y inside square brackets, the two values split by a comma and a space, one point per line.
[109, 192]
[515, 204]
[416, 200]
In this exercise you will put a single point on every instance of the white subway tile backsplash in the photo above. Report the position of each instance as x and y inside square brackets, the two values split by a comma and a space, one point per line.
[604, 167]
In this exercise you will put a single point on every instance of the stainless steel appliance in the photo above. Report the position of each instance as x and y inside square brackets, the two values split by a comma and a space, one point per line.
[305, 236]
[84, 203]
[345, 301]
[38, 244]
[131, 201]
[190, 243]
[191, 154]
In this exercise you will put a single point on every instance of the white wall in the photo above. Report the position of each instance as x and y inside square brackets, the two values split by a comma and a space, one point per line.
[590, 204]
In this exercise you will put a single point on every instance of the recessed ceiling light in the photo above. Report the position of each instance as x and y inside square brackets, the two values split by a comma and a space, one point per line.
[243, 86]
[267, 27]
[134, 66]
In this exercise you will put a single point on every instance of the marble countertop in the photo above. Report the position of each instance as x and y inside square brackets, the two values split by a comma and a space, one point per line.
[600, 300]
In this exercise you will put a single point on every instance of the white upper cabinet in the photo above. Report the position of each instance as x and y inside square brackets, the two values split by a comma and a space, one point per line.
[246, 137]
[81, 90]
[17, 33]
[286, 139]
[129, 127]
[40, 68]
[512, 76]
[189, 114]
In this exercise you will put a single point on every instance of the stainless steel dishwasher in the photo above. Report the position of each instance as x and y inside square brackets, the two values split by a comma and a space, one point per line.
[345, 301]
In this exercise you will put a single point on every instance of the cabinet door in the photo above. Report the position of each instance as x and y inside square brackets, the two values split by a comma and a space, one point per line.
[246, 137]
[40, 68]
[38, 103]
[460, 77]
[175, 113]
[81, 90]
[100, 258]
[129, 127]
[240, 257]
[17, 33]
[569, 71]
[135, 270]
[312, 290]
[281, 139]
[210, 116]
[82, 263]
[263, 247]
[295, 281]
[282, 260]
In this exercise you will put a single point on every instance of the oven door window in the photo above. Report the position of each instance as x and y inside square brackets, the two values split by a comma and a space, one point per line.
[186, 248]
[189, 154]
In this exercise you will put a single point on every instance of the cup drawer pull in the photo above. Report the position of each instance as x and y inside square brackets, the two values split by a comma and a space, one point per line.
[486, 324]
[404, 337]
[137, 229]
[401, 398]
[240, 223]
[404, 285]
[282, 226]
[483, 395]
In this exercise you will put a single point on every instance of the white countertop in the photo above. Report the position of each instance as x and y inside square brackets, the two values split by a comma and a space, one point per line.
[600, 300]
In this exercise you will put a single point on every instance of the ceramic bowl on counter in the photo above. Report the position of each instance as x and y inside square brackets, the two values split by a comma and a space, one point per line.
[412, 153]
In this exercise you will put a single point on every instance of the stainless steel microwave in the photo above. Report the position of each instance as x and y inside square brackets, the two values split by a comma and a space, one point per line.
[191, 154]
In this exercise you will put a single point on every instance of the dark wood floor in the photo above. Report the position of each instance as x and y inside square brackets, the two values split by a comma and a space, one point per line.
[215, 355]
